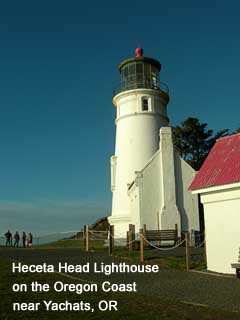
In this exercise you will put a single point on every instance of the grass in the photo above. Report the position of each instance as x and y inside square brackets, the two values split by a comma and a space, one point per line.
[130, 305]
[164, 261]
[123, 253]
[93, 245]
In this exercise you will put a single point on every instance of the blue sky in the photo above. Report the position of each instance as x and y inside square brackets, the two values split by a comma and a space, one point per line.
[58, 66]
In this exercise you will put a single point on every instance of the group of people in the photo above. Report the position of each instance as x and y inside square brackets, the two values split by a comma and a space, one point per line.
[26, 241]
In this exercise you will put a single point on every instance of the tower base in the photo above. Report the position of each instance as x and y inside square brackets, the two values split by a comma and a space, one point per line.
[121, 225]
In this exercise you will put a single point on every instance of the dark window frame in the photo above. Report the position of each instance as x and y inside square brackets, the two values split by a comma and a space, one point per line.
[145, 104]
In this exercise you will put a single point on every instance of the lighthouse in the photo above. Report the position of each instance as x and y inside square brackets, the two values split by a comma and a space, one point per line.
[143, 174]
[141, 109]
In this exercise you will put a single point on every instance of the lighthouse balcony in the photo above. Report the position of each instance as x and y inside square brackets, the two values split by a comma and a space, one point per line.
[140, 82]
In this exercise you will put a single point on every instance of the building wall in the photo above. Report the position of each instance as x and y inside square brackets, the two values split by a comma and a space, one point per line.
[135, 207]
[146, 196]
[186, 201]
[149, 196]
[222, 228]
[169, 214]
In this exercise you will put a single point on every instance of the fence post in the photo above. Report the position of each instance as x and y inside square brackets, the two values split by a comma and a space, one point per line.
[87, 238]
[84, 237]
[176, 230]
[130, 238]
[144, 233]
[133, 236]
[111, 239]
[187, 251]
[141, 246]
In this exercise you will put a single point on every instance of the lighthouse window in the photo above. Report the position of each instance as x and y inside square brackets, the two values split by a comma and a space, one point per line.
[132, 68]
[146, 69]
[139, 68]
[144, 104]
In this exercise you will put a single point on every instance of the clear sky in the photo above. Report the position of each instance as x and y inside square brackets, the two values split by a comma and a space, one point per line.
[58, 66]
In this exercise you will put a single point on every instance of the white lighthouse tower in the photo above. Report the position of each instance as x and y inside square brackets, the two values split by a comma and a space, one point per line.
[141, 110]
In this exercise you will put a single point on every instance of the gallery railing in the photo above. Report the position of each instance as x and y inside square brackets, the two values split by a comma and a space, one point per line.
[140, 82]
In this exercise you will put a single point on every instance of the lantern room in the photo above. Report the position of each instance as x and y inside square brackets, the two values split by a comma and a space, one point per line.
[140, 72]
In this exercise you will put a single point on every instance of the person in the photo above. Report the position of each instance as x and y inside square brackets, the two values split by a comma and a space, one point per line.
[8, 236]
[17, 238]
[24, 239]
[30, 239]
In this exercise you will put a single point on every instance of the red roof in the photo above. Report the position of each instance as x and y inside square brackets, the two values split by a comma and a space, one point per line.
[222, 165]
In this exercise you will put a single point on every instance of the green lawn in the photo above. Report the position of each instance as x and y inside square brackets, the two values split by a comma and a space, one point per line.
[124, 254]
[130, 305]
[93, 245]
[164, 261]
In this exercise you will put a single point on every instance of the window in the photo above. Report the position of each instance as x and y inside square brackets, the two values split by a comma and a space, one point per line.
[139, 68]
[146, 69]
[144, 104]
[154, 81]
[132, 68]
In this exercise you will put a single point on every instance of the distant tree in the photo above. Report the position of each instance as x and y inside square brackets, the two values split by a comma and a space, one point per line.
[194, 141]
[238, 130]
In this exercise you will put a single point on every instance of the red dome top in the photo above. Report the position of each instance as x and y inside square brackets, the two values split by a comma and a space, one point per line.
[138, 52]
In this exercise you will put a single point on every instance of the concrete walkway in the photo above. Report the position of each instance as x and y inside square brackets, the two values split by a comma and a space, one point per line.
[191, 287]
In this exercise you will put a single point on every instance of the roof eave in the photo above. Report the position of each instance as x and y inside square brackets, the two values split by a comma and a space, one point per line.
[217, 188]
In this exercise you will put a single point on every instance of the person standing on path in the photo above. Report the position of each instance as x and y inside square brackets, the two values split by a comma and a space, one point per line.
[24, 239]
[30, 239]
[17, 238]
[8, 236]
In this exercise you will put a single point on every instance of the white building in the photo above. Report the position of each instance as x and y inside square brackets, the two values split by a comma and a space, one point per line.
[218, 182]
[148, 178]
